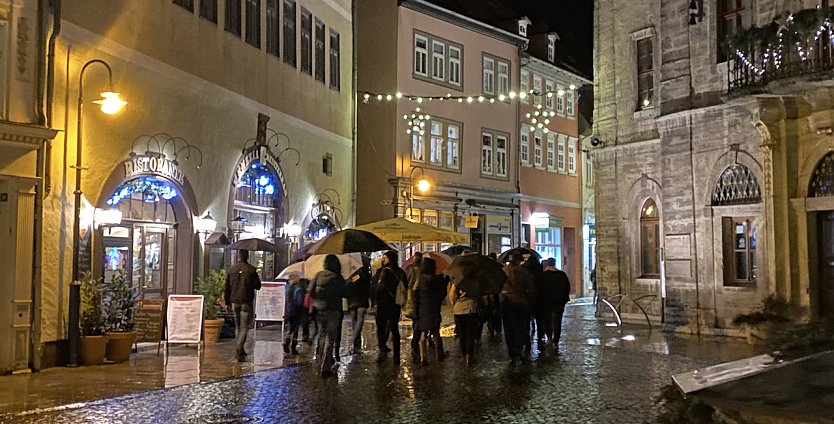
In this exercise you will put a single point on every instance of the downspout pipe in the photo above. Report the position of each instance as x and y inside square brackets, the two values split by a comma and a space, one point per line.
[354, 119]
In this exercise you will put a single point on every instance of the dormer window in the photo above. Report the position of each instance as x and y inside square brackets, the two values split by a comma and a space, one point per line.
[551, 47]
[523, 23]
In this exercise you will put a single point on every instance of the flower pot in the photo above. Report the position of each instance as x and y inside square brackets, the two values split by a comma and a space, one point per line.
[119, 346]
[92, 349]
[211, 330]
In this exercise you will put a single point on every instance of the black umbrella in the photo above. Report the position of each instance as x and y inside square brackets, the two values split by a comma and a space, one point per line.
[476, 274]
[303, 252]
[456, 250]
[523, 251]
[252, 244]
[348, 241]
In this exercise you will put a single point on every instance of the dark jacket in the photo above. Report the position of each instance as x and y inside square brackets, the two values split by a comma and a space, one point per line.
[241, 283]
[562, 295]
[359, 289]
[293, 300]
[384, 285]
[553, 291]
[429, 295]
[328, 288]
[519, 289]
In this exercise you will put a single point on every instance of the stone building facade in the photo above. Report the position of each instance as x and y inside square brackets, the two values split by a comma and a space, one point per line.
[713, 175]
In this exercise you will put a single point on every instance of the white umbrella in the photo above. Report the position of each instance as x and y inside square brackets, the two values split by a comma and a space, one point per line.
[309, 268]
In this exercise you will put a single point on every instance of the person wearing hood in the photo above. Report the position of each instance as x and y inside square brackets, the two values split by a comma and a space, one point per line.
[293, 310]
[327, 290]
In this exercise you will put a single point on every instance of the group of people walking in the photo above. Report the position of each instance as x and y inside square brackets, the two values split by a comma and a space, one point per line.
[533, 297]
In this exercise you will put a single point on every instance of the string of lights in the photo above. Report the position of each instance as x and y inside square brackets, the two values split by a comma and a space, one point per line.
[367, 96]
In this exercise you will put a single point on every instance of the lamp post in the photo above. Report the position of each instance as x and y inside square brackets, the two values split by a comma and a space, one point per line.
[423, 186]
[110, 103]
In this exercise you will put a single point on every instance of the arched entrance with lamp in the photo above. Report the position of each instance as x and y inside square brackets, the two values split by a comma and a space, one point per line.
[152, 242]
[257, 206]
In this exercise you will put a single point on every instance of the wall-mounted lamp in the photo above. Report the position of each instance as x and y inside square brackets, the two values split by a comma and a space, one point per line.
[205, 225]
[107, 217]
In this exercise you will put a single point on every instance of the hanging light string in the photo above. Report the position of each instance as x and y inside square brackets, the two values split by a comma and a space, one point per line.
[367, 96]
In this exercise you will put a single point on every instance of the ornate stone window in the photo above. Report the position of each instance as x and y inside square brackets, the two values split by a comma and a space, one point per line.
[822, 182]
[736, 186]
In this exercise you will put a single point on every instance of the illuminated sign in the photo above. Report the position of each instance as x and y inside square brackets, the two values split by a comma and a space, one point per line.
[144, 165]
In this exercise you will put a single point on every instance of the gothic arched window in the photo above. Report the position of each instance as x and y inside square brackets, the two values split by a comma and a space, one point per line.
[736, 186]
[649, 239]
[822, 182]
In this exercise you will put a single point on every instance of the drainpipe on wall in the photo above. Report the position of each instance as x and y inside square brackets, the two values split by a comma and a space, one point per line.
[354, 118]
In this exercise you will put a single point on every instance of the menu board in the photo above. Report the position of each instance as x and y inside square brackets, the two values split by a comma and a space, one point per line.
[147, 320]
[184, 320]
[269, 305]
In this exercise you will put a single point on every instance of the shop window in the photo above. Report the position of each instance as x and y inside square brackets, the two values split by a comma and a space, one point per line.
[289, 33]
[233, 16]
[306, 41]
[256, 212]
[253, 22]
[739, 235]
[335, 61]
[208, 10]
[649, 239]
[549, 244]
[319, 50]
[272, 25]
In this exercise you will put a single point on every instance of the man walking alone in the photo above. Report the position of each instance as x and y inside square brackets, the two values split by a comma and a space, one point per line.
[241, 283]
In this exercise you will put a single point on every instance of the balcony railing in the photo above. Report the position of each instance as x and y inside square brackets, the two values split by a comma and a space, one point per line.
[802, 45]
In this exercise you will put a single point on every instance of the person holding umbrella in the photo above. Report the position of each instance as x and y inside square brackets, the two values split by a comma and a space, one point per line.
[428, 297]
[515, 307]
[327, 290]
[389, 288]
[241, 282]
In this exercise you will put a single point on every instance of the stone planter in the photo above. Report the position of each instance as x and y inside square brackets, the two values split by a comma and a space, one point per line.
[119, 346]
[93, 349]
[211, 330]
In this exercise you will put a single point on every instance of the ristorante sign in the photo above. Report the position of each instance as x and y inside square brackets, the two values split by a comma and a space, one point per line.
[154, 165]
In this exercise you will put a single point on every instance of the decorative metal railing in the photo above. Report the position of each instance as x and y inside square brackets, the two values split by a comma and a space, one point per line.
[802, 44]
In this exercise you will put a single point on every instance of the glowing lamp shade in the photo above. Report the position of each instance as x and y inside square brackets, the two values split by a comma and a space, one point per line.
[423, 185]
[292, 229]
[107, 217]
[206, 224]
[111, 103]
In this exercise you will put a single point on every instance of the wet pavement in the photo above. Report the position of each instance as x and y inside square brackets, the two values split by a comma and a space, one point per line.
[604, 374]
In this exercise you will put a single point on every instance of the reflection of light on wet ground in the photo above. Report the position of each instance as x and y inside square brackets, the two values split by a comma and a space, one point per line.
[610, 324]
[409, 382]
[629, 337]
[182, 369]
[594, 342]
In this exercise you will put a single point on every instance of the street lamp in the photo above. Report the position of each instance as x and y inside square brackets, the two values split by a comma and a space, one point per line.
[205, 225]
[423, 186]
[110, 104]
[292, 231]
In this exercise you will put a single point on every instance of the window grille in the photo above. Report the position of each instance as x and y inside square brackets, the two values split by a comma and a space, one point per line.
[737, 185]
[822, 182]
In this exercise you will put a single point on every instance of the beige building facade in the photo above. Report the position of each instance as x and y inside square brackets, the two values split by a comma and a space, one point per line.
[713, 168]
[468, 150]
[237, 111]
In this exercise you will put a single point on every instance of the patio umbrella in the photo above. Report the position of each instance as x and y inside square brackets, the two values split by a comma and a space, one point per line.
[254, 244]
[456, 250]
[401, 230]
[348, 241]
[443, 261]
[523, 251]
[476, 274]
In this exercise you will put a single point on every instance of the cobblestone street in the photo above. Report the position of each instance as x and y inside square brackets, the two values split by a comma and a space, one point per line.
[604, 374]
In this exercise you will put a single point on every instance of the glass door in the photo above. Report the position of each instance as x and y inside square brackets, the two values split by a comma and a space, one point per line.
[154, 263]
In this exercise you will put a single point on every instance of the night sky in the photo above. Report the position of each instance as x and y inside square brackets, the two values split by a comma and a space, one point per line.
[572, 19]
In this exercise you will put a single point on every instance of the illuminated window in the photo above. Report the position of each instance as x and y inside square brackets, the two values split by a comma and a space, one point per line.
[649, 239]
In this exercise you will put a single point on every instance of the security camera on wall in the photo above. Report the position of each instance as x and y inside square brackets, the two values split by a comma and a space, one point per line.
[597, 142]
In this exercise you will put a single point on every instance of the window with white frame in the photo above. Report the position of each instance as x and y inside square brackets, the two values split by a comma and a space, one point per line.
[489, 75]
[551, 48]
[454, 65]
[524, 85]
[561, 154]
[549, 95]
[537, 87]
[486, 153]
[436, 143]
[417, 147]
[501, 156]
[551, 151]
[453, 146]
[589, 171]
[524, 139]
[572, 156]
[503, 77]
[421, 51]
[569, 102]
[537, 149]
[560, 100]
[438, 60]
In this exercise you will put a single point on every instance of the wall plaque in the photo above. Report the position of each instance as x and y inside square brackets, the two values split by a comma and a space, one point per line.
[678, 246]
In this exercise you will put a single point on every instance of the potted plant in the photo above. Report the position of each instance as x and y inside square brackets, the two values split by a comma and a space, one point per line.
[118, 300]
[773, 315]
[93, 342]
[211, 287]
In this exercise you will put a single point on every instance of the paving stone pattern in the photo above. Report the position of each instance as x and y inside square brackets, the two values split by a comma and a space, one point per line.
[599, 378]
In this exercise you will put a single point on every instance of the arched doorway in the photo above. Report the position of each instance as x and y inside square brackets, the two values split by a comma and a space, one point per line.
[257, 207]
[822, 186]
